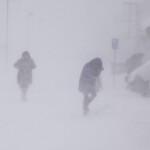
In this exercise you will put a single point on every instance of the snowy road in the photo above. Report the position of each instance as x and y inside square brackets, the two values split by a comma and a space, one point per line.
[119, 120]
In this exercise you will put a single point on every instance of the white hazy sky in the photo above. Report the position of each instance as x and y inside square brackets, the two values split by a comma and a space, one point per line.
[62, 35]
[80, 29]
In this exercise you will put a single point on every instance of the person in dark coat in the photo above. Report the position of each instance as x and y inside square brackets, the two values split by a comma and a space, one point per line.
[25, 65]
[88, 81]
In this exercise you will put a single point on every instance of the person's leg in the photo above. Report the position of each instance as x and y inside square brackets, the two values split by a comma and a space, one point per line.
[85, 103]
[24, 92]
[92, 96]
[88, 98]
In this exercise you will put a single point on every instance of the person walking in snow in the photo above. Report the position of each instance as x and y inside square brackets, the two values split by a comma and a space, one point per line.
[89, 81]
[25, 65]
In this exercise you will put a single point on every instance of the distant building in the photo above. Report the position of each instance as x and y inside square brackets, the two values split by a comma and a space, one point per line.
[135, 35]
[144, 43]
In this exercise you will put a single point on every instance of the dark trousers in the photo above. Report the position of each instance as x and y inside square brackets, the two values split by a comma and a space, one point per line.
[24, 89]
[88, 98]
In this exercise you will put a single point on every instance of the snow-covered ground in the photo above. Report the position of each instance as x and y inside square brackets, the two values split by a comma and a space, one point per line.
[52, 117]
[62, 36]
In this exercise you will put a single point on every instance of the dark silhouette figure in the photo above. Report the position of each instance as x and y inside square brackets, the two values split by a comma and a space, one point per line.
[88, 84]
[25, 65]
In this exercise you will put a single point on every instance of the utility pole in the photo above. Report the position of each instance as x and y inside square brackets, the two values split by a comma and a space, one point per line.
[115, 42]
[29, 15]
[7, 32]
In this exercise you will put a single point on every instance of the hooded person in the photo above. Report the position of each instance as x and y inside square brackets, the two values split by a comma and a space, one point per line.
[25, 65]
[88, 81]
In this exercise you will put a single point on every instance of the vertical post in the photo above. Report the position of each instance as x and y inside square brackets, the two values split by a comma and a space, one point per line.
[7, 32]
[29, 14]
[115, 47]
[114, 67]
[28, 29]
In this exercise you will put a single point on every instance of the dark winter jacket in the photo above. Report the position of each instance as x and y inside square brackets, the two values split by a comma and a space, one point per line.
[90, 72]
[24, 66]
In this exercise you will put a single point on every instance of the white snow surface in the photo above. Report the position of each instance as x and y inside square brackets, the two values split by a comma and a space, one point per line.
[52, 117]
[62, 36]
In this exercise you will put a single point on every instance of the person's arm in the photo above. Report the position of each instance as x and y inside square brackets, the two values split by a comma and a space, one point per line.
[17, 64]
[33, 66]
